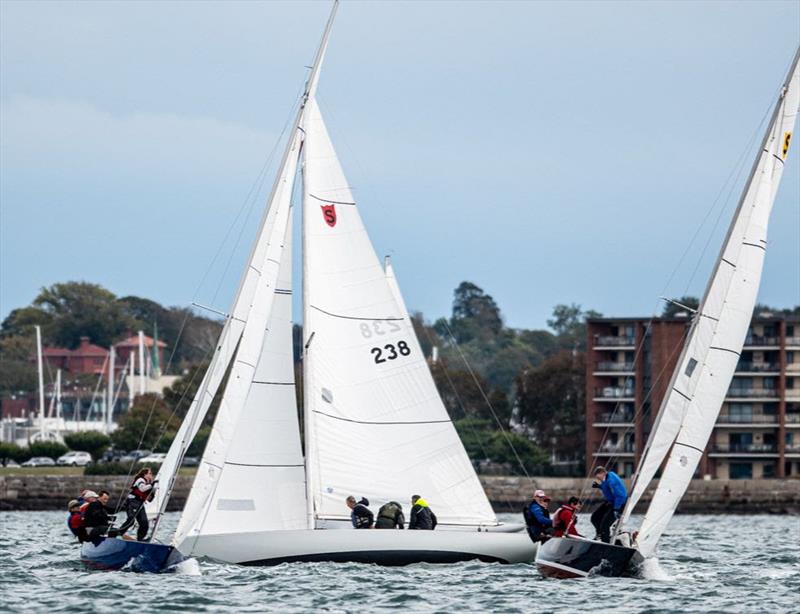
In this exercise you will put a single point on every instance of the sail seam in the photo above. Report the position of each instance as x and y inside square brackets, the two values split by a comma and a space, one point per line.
[386, 423]
[336, 315]
[686, 445]
[712, 347]
[244, 362]
[705, 315]
[333, 202]
[777, 157]
[754, 245]
[259, 465]
[688, 398]
[728, 262]
[274, 383]
[282, 291]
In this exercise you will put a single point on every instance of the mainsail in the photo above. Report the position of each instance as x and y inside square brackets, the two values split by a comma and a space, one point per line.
[705, 369]
[375, 424]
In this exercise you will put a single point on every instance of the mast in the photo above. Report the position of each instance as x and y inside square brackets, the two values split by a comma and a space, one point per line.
[110, 405]
[682, 386]
[308, 429]
[237, 320]
[713, 351]
[41, 380]
[141, 363]
[59, 409]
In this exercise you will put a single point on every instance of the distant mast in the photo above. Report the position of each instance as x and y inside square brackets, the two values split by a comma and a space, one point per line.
[110, 411]
[141, 362]
[41, 380]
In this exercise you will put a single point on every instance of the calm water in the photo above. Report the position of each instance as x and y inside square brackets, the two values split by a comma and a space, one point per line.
[707, 563]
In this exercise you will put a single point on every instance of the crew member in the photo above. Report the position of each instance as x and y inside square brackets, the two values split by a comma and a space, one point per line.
[360, 514]
[537, 517]
[75, 521]
[390, 516]
[95, 515]
[142, 491]
[422, 516]
[566, 517]
[615, 495]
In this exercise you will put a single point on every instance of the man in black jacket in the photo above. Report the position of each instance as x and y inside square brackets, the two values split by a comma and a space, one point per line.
[360, 514]
[390, 516]
[422, 516]
[96, 517]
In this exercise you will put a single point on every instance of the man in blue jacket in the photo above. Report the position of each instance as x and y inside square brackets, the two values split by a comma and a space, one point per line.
[615, 495]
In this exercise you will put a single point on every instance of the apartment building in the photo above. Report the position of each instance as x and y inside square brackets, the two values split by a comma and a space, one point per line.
[629, 365]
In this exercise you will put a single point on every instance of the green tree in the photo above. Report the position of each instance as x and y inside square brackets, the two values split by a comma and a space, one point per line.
[53, 449]
[475, 315]
[93, 442]
[551, 403]
[17, 370]
[145, 424]
[11, 451]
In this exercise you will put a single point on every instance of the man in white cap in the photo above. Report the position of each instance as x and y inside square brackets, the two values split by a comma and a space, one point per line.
[537, 517]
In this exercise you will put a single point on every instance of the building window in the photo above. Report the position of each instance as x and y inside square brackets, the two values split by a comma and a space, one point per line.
[741, 471]
[768, 470]
[740, 412]
[790, 382]
[789, 357]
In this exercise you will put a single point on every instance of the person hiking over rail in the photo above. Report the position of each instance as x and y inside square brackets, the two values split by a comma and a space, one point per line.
[142, 491]
[537, 517]
[615, 495]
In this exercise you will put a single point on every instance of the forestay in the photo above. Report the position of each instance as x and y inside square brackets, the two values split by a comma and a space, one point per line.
[251, 475]
[706, 368]
[375, 425]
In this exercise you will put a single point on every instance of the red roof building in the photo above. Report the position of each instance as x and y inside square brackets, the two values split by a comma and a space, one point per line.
[86, 358]
[125, 347]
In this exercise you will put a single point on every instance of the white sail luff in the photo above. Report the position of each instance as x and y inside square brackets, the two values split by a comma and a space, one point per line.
[728, 306]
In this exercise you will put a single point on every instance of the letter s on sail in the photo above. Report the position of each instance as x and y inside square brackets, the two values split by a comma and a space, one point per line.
[787, 136]
[329, 214]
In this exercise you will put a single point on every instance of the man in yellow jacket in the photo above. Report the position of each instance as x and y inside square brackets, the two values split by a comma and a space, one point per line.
[422, 516]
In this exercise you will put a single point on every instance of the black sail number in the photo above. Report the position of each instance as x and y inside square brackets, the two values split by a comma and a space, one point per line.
[392, 352]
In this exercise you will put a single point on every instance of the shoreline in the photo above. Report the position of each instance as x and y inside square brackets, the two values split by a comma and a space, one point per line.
[506, 493]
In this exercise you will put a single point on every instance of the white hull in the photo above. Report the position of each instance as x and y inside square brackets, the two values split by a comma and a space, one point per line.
[380, 546]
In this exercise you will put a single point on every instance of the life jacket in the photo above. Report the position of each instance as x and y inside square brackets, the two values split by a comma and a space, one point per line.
[559, 524]
[390, 510]
[140, 494]
[75, 521]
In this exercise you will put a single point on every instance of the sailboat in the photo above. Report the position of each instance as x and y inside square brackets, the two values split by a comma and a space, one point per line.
[374, 424]
[704, 369]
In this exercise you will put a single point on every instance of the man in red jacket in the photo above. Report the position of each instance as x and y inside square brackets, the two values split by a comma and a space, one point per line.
[566, 517]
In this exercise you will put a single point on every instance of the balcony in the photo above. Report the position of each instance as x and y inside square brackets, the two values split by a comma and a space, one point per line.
[613, 393]
[793, 449]
[616, 450]
[792, 420]
[744, 448]
[757, 367]
[614, 367]
[761, 341]
[620, 417]
[748, 419]
[793, 341]
[750, 393]
[606, 341]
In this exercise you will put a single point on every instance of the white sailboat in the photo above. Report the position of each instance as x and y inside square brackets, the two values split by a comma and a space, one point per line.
[374, 423]
[705, 368]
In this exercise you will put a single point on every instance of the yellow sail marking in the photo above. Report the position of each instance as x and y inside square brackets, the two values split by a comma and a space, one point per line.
[787, 136]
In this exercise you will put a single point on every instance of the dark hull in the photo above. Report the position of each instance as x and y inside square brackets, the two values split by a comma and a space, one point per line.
[389, 558]
[567, 557]
[114, 553]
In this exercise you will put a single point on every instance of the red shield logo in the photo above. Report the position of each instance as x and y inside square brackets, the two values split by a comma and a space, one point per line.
[329, 213]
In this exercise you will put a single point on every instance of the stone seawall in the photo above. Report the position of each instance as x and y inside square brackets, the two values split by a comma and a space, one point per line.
[507, 494]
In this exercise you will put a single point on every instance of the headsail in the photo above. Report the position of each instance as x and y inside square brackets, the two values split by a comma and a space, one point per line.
[375, 425]
[706, 367]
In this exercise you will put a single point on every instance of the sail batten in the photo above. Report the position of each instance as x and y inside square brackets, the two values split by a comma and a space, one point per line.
[705, 369]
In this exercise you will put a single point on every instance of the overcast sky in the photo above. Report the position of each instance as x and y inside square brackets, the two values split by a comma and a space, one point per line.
[549, 152]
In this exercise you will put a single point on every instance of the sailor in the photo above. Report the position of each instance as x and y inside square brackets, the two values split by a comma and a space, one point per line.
[95, 517]
[422, 516]
[360, 514]
[537, 517]
[390, 516]
[142, 491]
[75, 521]
[566, 517]
[615, 495]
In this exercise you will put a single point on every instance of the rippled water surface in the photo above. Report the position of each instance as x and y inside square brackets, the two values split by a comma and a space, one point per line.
[707, 563]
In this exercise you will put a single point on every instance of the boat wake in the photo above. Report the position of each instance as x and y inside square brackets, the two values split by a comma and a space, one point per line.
[188, 567]
[651, 569]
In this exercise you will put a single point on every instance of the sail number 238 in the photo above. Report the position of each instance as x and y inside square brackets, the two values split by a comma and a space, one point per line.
[390, 351]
